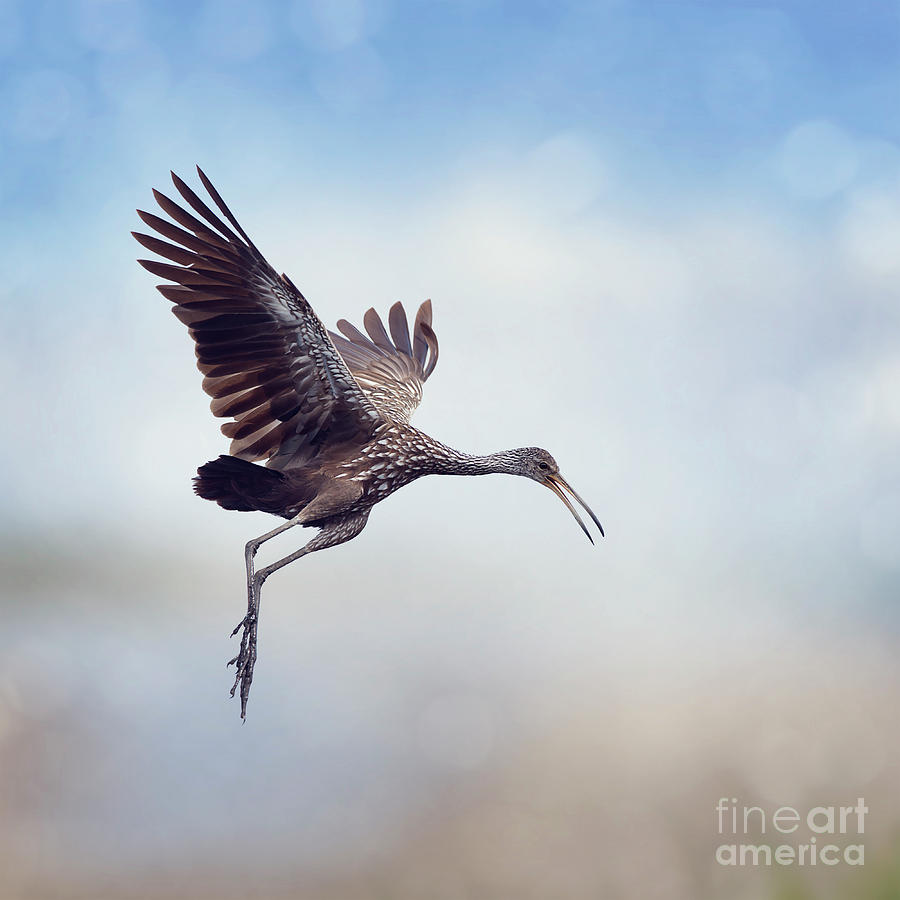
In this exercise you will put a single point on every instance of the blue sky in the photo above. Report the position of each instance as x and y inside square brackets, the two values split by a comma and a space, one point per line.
[678, 93]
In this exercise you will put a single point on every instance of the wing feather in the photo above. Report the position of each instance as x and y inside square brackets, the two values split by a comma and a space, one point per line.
[375, 327]
[390, 369]
[268, 361]
[400, 329]
[420, 345]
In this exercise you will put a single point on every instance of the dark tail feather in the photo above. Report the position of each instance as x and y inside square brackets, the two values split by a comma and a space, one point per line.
[237, 484]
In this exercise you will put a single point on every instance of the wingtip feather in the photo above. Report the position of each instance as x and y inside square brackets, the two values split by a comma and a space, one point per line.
[399, 326]
[422, 342]
[375, 327]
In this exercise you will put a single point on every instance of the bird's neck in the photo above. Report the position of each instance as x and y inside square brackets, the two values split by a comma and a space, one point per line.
[453, 462]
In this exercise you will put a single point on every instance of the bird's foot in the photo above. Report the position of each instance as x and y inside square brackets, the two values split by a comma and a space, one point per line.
[245, 660]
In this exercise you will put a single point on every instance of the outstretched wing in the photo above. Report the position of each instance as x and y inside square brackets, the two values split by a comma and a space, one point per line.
[267, 359]
[390, 369]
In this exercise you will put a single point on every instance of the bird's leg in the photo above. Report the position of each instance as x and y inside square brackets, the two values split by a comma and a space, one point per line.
[246, 659]
[249, 622]
[250, 552]
[335, 533]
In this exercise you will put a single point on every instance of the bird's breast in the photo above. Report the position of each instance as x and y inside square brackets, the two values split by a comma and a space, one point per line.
[386, 463]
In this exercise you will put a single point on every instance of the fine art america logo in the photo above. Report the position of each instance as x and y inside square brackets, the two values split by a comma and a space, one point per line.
[821, 835]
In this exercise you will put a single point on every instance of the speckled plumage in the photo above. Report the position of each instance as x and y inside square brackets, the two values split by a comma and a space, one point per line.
[328, 412]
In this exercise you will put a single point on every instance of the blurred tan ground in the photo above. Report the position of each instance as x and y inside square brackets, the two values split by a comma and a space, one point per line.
[475, 747]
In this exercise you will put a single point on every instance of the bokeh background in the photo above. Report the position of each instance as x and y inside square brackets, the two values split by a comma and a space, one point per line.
[663, 241]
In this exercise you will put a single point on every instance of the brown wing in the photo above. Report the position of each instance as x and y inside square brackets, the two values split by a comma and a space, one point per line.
[267, 359]
[390, 369]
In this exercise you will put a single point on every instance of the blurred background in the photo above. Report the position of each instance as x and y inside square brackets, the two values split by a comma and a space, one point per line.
[662, 241]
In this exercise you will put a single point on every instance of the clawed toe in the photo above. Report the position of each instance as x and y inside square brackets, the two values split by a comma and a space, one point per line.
[245, 659]
[249, 619]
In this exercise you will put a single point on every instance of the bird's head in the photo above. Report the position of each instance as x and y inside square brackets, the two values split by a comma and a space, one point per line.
[540, 466]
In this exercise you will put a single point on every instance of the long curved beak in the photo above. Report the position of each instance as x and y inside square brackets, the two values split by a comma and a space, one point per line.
[556, 483]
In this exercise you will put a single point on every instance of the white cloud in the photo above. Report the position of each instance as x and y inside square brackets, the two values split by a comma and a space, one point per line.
[773, 423]
[562, 174]
[818, 159]
[881, 396]
[556, 178]
[870, 230]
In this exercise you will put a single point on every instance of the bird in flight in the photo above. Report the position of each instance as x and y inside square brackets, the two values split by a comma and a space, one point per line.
[329, 413]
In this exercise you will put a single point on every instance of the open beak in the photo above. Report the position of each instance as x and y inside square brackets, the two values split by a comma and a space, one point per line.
[557, 483]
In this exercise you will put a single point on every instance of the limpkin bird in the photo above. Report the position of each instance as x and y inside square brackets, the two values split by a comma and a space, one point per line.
[328, 412]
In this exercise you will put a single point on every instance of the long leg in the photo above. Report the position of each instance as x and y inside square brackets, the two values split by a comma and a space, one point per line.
[254, 545]
[248, 623]
[335, 532]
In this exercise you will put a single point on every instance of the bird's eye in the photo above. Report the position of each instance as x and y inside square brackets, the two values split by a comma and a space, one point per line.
[543, 465]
